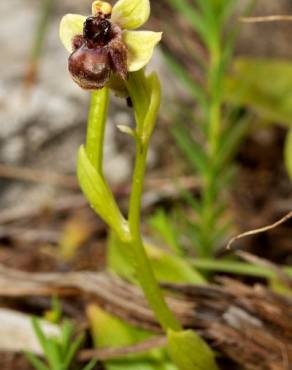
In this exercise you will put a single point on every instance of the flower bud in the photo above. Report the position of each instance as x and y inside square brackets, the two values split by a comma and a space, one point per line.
[101, 7]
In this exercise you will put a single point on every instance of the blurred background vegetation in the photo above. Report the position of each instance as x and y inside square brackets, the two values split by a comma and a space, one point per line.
[220, 161]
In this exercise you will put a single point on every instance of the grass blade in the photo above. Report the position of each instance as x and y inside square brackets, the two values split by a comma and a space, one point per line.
[66, 335]
[230, 142]
[193, 152]
[90, 365]
[54, 355]
[73, 350]
[194, 89]
[192, 16]
[35, 361]
[161, 222]
[40, 334]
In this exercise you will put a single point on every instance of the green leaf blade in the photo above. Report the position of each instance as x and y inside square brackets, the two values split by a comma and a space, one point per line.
[35, 361]
[288, 153]
[190, 352]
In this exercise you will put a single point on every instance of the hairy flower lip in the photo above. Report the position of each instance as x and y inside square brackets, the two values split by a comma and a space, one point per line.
[77, 42]
[89, 68]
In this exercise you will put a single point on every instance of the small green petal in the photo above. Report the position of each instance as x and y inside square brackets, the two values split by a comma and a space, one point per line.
[140, 47]
[131, 14]
[70, 26]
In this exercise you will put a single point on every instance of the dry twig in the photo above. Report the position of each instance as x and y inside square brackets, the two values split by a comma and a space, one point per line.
[39, 176]
[270, 18]
[260, 230]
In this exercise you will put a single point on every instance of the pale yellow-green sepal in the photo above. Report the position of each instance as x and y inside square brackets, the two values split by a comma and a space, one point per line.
[131, 14]
[101, 6]
[100, 196]
[140, 47]
[70, 26]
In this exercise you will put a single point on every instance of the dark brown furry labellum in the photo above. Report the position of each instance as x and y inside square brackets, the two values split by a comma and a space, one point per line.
[90, 68]
[98, 53]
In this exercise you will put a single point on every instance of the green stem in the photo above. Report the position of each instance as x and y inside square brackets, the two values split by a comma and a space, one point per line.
[215, 119]
[215, 103]
[145, 93]
[143, 268]
[96, 127]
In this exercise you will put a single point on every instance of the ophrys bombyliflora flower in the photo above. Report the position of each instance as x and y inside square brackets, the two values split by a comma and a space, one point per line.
[104, 46]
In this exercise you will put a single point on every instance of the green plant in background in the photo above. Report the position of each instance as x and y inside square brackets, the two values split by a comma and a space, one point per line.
[59, 352]
[162, 224]
[230, 86]
[54, 315]
[46, 11]
[109, 331]
[288, 153]
[106, 53]
[271, 102]
[219, 129]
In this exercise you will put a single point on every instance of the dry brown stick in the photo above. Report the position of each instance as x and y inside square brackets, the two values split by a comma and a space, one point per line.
[121, 298]
[165, 185]
[204, 308]
[30, 234]
[259, 230]
[24, 212]
[269, 18]
[101, 287]
[112, 353]
[34, 175]
[48, 177]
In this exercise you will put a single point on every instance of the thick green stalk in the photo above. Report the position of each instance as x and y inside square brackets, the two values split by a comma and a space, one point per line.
[143, 268]
[145, 94]
[96, 127]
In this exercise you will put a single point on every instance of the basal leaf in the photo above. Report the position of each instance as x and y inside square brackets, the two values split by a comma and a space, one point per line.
[167, 267]
[190, 352]
[109, 331]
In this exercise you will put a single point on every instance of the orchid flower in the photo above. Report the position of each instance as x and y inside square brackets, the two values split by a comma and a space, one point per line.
[104, 46]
